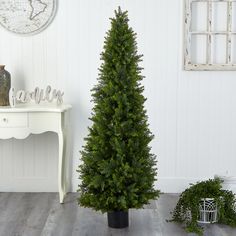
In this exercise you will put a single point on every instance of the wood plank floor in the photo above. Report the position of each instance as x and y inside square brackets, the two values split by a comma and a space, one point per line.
[40, 214]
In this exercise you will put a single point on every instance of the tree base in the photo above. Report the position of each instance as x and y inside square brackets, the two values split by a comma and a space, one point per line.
[118, 219]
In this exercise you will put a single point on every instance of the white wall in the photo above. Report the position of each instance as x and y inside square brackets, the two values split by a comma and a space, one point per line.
[192, 114]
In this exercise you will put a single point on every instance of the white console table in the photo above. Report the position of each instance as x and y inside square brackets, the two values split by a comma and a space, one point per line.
[21, 121]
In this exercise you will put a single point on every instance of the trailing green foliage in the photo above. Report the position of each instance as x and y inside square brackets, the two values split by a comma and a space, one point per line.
[189, 202]
[118, 171]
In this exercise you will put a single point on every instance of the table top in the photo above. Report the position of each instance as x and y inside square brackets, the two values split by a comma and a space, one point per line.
[36, 108]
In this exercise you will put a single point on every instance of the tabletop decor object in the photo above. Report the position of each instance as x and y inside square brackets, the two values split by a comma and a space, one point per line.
[27, 17]
[118, 169]
[37, 96]
[5, 85]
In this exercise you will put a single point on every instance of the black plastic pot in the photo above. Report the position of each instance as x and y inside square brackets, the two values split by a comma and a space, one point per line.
[118, 219]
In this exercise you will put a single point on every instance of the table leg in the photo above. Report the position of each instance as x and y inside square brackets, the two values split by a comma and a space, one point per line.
[61, 167]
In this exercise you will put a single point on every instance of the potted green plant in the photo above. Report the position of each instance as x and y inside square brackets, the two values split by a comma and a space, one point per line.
[118, 169]
[205, 202]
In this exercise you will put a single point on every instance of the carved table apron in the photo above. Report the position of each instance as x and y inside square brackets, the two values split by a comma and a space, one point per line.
[21, 121]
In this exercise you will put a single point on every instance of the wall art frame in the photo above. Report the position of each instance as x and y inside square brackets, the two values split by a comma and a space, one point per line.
[209, 33]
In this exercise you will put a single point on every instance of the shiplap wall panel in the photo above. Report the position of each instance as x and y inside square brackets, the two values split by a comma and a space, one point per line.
[29, 156]
[192, 114]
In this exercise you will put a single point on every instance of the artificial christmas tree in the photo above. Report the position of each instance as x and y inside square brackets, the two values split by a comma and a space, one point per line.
[118, 171]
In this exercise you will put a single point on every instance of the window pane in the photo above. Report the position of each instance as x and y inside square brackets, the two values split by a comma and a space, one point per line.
[234, 16]
[219, 49]
[199, 16]
[233, 49]
[219, 16]
[198, 49]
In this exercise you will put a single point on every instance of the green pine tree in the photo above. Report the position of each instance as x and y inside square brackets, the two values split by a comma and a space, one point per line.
[118, 171]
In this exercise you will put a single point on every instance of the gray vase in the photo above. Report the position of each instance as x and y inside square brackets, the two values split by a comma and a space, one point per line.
[5, 85]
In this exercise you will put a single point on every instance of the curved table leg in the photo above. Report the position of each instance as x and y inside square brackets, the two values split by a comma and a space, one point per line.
[61, 167]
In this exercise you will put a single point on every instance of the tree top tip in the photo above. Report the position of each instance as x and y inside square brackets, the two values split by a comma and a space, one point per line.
[119, 12]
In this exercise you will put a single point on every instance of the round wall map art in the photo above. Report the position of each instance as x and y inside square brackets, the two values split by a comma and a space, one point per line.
[27, 17]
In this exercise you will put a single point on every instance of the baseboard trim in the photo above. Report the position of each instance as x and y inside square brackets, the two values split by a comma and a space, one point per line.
[28, 185]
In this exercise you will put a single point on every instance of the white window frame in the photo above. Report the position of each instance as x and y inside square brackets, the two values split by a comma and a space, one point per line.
[188, 65]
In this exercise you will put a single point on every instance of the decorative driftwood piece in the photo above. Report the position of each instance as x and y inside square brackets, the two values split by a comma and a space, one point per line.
[209, 33]
[37, 95]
